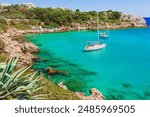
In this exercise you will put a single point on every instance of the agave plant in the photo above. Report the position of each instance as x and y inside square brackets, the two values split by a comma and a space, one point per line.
[16, 85]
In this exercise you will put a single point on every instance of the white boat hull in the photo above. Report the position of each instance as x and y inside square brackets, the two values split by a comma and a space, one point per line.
[103, 37]
[94, 47]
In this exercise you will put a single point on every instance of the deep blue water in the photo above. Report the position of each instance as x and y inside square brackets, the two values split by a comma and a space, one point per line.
[120, 71]
[147, 19]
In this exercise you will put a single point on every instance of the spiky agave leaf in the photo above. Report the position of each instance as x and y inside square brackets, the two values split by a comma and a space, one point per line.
[3, 77]
[16, 75]
[18, 86]
[40, 97]
[13, 63]
[32, 76]
[2, 65]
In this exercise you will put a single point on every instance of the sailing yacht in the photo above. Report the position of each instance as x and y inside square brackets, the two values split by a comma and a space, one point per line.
[95, 45]
[104, 35]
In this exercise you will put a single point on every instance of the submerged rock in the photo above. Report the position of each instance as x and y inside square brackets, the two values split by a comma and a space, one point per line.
[51, 71]
[126, 85]
[95, 95]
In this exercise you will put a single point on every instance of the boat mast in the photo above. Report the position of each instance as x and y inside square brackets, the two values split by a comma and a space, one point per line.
[97, 27]
[107, 26]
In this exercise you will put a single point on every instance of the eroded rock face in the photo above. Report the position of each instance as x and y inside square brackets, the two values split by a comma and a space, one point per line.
[95, 95]
[29, 47]
[14, 48]
[132, 21]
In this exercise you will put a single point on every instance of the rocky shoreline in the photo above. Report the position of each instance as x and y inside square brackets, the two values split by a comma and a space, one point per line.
[95, 94]
[25, 50]
[17, 48]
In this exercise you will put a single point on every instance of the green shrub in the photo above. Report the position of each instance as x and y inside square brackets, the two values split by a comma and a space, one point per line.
[2, 45]
[3, 57]
[3, 25]
[57, 16]
[16, 85]
[33, 22]
[52, 25]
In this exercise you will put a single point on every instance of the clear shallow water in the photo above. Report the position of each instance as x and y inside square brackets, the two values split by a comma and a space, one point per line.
[120, 71]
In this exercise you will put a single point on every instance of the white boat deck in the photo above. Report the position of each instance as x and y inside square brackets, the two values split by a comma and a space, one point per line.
[94, 47]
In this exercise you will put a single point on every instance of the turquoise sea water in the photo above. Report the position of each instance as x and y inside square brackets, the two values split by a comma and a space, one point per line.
[120, 71]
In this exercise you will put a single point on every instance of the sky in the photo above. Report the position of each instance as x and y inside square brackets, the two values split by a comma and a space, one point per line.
[135, 7]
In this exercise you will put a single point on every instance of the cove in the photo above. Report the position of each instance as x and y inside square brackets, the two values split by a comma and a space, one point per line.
[121, 71]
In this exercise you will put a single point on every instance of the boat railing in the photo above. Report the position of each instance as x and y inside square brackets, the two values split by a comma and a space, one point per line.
[92, 42]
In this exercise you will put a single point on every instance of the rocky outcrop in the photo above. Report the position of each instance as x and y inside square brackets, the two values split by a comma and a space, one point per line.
[61, 85]
[14, 48]
[132, 21]
[29, 47]
[95, 95]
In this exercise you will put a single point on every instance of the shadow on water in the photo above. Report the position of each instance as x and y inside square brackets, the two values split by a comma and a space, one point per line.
[147, 93]
[113, 94]
[126, 92]
[74, 76]
[126, 85]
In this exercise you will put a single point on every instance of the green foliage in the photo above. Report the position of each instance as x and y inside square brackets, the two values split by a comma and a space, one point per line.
[1, 45]
[93, 13]
[113, 15]
[75, 85]
[3, 25]
[22, 84]
[33, 22]
[19, 24]
[58, 93]
[16, 85]
[51, 25]
[13, 12]
[77, 10]
[58, 16]
[23, 24]
[3, 57]
[118, 22]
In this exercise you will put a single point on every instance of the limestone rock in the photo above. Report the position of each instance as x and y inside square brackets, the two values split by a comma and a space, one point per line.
[15, 48]
[95, 95]
[30, 47]
[61, 85]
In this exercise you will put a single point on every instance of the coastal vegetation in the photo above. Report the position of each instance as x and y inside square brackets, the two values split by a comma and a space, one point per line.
[3, 25]
[3, 57]
[20, 83]
[51, 17]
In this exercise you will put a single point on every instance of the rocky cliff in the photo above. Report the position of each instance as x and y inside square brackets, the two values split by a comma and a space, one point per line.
[24, 50]
[125, 21]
